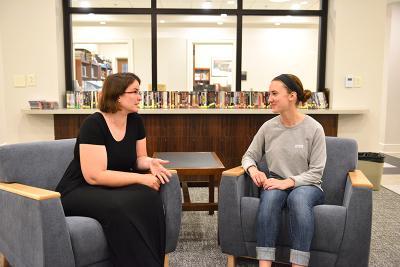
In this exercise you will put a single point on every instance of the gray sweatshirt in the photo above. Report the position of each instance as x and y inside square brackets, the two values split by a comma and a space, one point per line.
[297, 152]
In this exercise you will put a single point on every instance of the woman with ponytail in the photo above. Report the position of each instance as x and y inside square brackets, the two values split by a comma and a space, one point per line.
[295, 152]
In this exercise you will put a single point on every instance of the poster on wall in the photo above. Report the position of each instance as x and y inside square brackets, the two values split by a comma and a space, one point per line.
[221, 67]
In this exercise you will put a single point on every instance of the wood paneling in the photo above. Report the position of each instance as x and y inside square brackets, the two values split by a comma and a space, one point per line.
[227, 135]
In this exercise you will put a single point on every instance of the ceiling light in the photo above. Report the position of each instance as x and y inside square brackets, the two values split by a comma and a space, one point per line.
[102, 22]
[224, 15]
[85, 4]
[295, 6]
[277, 23]
[162, 21]
[231, 2]
[279, 1]
[206, 5]
[220, 23]
[304, 3]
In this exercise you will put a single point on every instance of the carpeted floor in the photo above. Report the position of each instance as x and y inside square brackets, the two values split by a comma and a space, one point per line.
[197, 244]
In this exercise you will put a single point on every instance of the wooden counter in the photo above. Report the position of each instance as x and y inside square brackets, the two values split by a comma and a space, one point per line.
[228, 132]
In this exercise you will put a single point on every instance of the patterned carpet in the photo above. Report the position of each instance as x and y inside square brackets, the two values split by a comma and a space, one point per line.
[197, 244]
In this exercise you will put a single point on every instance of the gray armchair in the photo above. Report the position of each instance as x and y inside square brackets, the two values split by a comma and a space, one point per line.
[342, 225]
[33, 228]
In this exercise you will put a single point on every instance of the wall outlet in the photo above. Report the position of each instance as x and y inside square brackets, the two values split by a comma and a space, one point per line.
[19, 80]
[31, 80]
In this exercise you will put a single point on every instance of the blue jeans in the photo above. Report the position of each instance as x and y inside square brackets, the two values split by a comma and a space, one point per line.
[300, 202]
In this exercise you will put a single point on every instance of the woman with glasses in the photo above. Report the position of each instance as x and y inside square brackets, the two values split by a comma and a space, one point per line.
[104, 179]
[295, 152]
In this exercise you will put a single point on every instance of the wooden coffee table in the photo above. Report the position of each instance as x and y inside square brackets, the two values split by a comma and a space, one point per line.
[194, 164]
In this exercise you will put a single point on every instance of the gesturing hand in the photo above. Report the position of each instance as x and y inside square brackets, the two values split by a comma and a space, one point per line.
[158, 170]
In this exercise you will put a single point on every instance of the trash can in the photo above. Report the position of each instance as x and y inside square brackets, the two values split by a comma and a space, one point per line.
[371, 164]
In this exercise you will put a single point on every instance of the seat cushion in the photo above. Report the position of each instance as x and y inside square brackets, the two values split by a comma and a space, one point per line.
[329, 225]
[88, 241]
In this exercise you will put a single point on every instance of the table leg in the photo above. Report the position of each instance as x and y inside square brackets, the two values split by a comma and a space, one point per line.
[211, 193]
[185, 190]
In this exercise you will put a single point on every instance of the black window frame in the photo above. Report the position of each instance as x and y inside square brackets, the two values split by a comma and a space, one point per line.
[239, 12]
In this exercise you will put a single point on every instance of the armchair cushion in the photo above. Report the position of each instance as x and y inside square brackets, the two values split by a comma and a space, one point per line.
[88, 241]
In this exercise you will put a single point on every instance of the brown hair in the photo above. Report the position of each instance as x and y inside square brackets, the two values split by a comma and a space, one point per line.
[293, 84]
[114, 86]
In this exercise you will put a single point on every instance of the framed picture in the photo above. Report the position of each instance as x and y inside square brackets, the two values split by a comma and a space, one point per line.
[221, 67]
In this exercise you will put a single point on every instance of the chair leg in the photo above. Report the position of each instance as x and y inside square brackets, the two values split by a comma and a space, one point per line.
[231, 261]
[166, 263]
[3, 261]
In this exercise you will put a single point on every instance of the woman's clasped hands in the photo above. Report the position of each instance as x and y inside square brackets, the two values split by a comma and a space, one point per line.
[261, 180]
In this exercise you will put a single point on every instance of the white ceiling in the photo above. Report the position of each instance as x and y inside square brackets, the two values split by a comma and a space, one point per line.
[215, 4]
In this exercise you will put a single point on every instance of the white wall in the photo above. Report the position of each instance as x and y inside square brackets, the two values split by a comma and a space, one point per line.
[2, 109]
[356, 46]
[390, 140]
[31, 44]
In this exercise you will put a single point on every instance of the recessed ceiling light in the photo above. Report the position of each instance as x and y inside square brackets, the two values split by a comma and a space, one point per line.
[85, 4]
[102, 22]
[277, 23]
[224, 15]
[220, 23]
[295, 6]
[162, 21]
[206, 5]
[91, 15]
[231, 2]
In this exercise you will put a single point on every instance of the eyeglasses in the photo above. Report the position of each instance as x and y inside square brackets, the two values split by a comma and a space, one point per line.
[132, 92]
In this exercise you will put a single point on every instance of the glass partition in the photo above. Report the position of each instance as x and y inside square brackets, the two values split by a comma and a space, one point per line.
[113, 4]
[105, 44]
[196, 52]
[279, 44]
[198, 4]
[282, 4]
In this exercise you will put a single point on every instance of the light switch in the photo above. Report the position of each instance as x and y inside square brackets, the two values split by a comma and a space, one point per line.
[31, 80]
[19, 81]
[357, 81]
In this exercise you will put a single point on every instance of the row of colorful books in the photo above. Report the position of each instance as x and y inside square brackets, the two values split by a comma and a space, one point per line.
[185, 99]
[82, 99]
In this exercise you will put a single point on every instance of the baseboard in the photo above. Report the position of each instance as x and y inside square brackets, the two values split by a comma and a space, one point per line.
[390, 148]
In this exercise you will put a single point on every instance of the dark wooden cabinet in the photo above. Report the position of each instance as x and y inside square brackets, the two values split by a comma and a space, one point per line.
[229, 135]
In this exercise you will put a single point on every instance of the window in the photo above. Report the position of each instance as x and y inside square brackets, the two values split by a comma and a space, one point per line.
[191, 49]
[279, 44]
[196, 44]
[113, 4]
[282, 4]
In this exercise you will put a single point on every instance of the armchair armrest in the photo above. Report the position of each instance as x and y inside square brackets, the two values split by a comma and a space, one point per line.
[357, 234]
[33, 230]
[234, 171]
[358, 179]
[172, 200]
[232, 188]
[29, 191]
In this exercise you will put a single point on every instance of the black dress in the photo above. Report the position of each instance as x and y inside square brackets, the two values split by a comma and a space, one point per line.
[132, 216]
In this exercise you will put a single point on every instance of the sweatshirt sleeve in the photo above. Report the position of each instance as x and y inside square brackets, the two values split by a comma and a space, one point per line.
[255, 151]
[317, 161]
